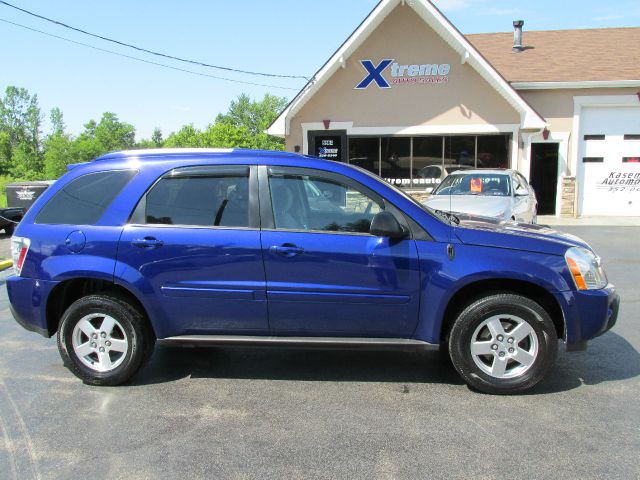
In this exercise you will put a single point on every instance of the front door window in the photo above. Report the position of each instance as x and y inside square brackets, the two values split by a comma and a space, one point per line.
[307, 202]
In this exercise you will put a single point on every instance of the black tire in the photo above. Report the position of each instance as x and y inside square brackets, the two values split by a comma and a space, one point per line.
[139, 335]
[469, 320]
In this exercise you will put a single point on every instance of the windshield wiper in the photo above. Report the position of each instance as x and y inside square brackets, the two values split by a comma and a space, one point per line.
[450, 217]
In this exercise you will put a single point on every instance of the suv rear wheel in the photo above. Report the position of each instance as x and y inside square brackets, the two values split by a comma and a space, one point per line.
[503, 343]
[104, 340]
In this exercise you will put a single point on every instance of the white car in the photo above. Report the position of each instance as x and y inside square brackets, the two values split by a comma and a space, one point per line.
[501, 194]
[434, 174]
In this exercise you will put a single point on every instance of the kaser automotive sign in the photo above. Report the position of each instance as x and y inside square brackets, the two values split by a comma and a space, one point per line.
[407, 74]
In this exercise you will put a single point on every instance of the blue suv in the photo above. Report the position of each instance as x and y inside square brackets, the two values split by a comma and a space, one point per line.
[257, 247]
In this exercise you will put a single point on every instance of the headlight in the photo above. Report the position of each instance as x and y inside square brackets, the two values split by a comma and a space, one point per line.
[585, 268]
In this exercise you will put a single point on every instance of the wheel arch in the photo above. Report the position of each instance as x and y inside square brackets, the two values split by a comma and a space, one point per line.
[471, 292]
[70, 290]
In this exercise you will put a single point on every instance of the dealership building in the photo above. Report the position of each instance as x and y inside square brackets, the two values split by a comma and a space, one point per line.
[409, 97]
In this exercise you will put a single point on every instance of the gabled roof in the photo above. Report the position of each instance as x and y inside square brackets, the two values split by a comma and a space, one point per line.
[588, 55]
[530, 119]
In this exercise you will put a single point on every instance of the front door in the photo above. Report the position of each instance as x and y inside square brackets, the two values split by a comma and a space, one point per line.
[543, 176]
[193, 247]
[326, 275]
[328, 144]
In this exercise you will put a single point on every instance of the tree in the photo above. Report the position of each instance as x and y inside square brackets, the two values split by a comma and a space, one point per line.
[20, 117]
[20, 124]
[156, 138]
[222, 135]
[112, 134]
[60, 150]
[108, 135]
[255, 117]
[187, 136]
[57, 121]
[26, 164]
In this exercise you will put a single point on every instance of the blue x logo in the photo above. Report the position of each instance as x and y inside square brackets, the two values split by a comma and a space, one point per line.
[374, 74]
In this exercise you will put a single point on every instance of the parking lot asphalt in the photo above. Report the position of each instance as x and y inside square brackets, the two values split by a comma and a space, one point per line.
[275, 413]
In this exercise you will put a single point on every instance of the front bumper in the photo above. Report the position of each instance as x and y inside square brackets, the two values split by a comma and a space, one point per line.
[588, 314]
[28, 301]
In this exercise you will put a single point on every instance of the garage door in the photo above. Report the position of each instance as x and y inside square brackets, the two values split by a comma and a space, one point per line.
[609, 161]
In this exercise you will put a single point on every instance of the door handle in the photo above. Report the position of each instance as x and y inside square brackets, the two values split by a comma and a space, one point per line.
[147, 242]
[287, 250]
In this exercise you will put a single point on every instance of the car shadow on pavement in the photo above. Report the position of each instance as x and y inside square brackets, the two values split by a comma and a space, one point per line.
[294, 364]
[609, 358]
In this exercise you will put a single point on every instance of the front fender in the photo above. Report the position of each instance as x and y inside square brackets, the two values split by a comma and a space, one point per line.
[443, 278]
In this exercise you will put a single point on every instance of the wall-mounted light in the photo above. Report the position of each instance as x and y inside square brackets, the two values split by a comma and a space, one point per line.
[545, 134]
[326, 123]
[296, 149]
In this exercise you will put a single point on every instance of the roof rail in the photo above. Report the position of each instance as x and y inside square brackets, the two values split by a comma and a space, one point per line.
[154, 152]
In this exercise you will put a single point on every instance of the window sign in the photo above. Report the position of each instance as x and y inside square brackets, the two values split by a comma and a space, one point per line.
[328, 145]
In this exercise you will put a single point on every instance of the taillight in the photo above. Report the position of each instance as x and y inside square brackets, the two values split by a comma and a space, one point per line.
[19, 249]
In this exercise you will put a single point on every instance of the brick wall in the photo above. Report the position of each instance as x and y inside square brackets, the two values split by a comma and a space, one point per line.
[568, 202]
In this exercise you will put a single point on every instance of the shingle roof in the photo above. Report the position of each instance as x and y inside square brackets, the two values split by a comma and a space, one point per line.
[601, 54]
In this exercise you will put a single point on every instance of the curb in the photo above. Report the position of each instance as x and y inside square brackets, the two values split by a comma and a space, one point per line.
[4, 264]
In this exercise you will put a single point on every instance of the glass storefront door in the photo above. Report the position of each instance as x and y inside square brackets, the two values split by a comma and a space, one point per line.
[328, 144]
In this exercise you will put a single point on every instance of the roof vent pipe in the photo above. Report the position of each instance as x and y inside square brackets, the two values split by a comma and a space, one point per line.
[517, 35]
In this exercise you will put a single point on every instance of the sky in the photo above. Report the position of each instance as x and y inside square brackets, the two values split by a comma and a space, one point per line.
[290, 37]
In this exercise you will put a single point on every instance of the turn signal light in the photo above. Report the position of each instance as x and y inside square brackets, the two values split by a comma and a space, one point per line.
[577, 274]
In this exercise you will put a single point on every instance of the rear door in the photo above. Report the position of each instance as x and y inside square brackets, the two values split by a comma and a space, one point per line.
[193, 248]
[326, 274]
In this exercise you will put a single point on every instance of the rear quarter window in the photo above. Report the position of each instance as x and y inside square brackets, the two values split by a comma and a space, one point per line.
[83, 200]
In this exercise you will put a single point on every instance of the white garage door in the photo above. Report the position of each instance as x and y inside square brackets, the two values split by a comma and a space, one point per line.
[609, 161]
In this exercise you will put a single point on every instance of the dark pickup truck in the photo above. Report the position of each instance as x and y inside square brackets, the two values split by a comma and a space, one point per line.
[9, 218]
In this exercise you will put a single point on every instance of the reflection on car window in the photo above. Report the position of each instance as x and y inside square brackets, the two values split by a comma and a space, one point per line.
[302, 202]
[205, 201]
[475, 184]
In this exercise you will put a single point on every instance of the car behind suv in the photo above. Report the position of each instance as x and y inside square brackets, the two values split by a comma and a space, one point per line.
[257, 247]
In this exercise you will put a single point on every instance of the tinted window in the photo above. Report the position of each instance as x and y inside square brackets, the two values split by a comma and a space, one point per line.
[302, 202]
[83, 200]
[199, 200]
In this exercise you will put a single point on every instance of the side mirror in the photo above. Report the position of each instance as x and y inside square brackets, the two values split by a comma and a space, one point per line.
[521, 192]
[384, 224]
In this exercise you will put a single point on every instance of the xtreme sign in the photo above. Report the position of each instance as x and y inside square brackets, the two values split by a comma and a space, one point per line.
[426, 73]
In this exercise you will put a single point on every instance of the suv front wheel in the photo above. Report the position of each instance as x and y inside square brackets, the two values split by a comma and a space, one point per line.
[503, 343]
[104, 340]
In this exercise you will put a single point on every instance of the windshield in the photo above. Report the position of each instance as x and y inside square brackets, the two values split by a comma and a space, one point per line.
[488, 184]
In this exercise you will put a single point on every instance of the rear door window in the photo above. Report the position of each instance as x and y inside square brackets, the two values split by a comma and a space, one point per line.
[201, 198]
[84, 199]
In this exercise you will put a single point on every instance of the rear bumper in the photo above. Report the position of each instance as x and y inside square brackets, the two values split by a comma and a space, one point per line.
[28, 300]
[588, 314]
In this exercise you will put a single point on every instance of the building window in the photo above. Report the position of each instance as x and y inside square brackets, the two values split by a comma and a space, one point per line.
[365, 153]
[406, 161]
[427, 161]
[396, 160]
[460, 150]
[493, 151]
